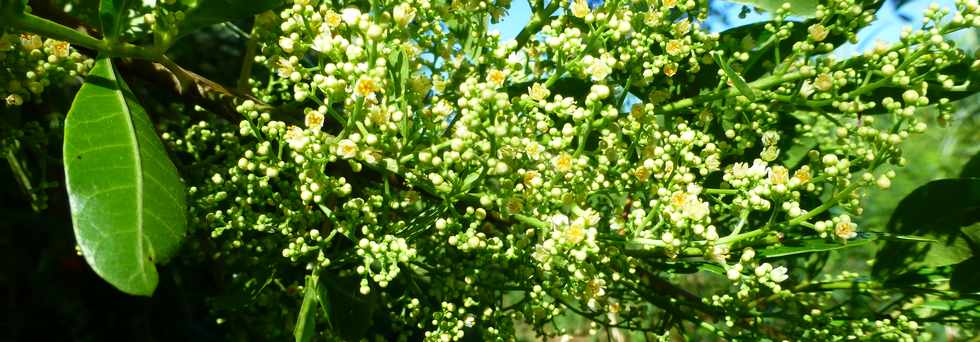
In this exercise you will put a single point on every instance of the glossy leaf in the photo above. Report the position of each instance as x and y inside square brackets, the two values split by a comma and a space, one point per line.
[737, 80]
[350, 312]
[114, 16]
[306, 321]
[127, 201]
[938, 211]
[12, 8]
[965, 277]
[972, 167]
[809, 246]
[805, 8]
[210, 12]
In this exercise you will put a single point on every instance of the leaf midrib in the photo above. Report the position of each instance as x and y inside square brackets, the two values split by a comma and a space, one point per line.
[121, 96]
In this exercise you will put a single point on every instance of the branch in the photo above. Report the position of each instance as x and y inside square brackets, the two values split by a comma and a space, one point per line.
[154, 67]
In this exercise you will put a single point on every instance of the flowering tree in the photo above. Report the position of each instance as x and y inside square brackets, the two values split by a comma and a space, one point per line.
[396, 170]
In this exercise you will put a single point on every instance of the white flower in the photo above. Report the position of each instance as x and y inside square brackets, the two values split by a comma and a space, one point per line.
[347, 149]
[824, 82]
[599, 91]
[845, 229]
[285, 67]
[30, 41]
[403, 14]
[538, 91]
[332, 19]
[323, 41]
[597, 68]
[287, 44]
[778, 175]
[60, 49]
[314, 120]
[365, 86]
[559, 221]
[580, 8]
[732, 274]
[807, 89]
[576, 231]
[533, 150]
[296, 138]
[14, 100]
[350, 15]
[563, 162]
[516, 57]
[496, 77]
[818, 32]
[778, 274]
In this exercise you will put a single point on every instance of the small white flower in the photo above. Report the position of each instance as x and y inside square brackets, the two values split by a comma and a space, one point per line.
[350, 15]
[403, 14]
[576, 231]
[818, 32]
[559, 220]
[563, 162]
[823, 82]
[30, 41]
[287, 44]
[761, 270]
[732, 274]
[599, 91]
[580, 8]
[538, 91]
[347, 149]
[516, 57]
[807, 89]
[296, 138]
[323, 41]
[314, 120]
[60, 49]
[598, 69]
[845, 229]
[14, 100]
[496, 77]
[779, 274]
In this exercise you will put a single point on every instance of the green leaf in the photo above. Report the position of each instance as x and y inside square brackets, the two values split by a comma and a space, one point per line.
[127, 201]
[350, 311]
[405, 72]
[711, 267]
[965, 277]
[210, 12]
[12, 7]
[306, 321]
[470, 180]
[805, 8]
[739, 82]
[972, 167]
[114, 16]
[323, 299]
[937, 211]
[809, 246]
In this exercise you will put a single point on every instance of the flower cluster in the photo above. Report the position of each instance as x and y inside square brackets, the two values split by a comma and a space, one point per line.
[30, 63]
[476, 183]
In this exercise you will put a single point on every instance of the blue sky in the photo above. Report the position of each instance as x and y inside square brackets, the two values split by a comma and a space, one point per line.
[886, 28]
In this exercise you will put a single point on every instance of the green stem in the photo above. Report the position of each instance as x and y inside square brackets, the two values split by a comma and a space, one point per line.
[762, 83]
[531, 221]
[825, 206]
[21, 175]
[721, 191]
[32, 23]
